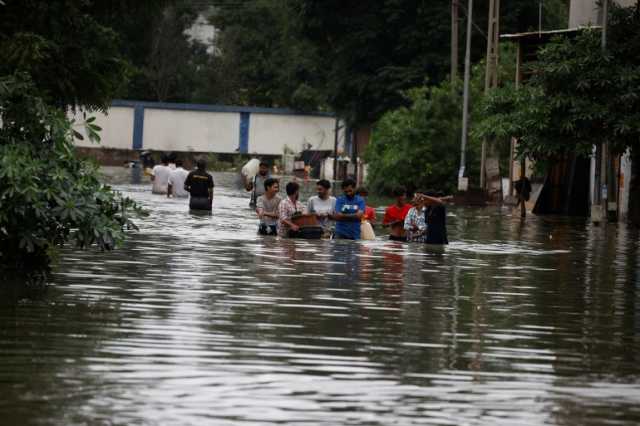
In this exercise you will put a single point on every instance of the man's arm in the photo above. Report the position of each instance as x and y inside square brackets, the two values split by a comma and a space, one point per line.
[353, 217]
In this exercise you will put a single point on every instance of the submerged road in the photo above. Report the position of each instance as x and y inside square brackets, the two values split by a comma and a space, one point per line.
[197, 320]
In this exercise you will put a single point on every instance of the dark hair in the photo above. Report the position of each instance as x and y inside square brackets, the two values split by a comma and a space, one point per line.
[292, 188]
[362, 190]
[348, 182]
[201, 164]
[262, 164]
[399, 191]
[172, 156]
[178, 163]
[164, 158]
[270, 182]
[324, 183]
[433, 193]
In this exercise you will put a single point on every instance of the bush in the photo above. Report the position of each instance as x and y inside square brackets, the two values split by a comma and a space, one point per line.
[419, 146]
[48, 196]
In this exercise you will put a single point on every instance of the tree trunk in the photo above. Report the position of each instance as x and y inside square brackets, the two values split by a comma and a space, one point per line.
[634, 189]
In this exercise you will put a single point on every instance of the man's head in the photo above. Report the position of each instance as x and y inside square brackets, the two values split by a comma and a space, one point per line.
[272, 186]
[263, 168]
[164, 159]
[349, 187]
[179, 163]
[201, 165]
[292, 189]
[400, 194]
[322, 187]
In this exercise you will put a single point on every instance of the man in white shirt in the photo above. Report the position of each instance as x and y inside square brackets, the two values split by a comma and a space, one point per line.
[323, 205]
[176, 181]
[160, 176]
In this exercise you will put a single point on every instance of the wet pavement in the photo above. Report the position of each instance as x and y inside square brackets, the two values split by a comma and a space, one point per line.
[197, 320]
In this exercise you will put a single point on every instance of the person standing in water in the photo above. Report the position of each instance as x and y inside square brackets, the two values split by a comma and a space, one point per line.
[350, 209]
[200, 185]
[287, 208]
[415, 224]
[323, 205]
[177, 178]
[257, 185]
[160, 176]
[436, 218]
[395, 215]
[369, 212]
[267, 208]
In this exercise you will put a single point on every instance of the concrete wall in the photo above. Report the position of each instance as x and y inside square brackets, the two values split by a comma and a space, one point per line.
[269, 135]
[153, 126]
[117, 128]
[200, 131]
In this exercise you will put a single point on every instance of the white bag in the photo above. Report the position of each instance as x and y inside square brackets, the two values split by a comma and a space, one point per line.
[366, 231]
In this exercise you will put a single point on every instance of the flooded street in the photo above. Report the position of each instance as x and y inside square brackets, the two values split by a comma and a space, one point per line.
[197, 320]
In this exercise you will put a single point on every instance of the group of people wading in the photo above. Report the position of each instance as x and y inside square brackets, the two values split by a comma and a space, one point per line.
[346, 217]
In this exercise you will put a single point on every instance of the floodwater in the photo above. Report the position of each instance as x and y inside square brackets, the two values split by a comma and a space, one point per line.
[197, 320]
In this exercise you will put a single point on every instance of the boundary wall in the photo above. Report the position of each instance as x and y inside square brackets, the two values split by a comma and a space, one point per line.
[157, 126]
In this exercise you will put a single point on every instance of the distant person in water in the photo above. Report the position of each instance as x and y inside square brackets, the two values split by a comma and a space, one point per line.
[323, 205]
[177, 178]
[395, 214]
[350, 209]
[257, 185]
[160, 176]
[415, 224]
[267, 208]
[369, 212]
[287, 209]
[200, 185]
[436, 217]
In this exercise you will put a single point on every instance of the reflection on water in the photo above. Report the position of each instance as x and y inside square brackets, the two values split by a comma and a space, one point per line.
[199, 321]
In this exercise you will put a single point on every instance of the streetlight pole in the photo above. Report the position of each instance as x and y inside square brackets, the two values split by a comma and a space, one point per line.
[491, 72]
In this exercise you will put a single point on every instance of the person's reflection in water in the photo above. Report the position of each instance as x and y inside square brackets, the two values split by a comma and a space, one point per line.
[345, 265]
[393, 263]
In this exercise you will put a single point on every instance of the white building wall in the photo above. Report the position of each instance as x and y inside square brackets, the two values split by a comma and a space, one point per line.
[117, 128]
[200, 131]
[269, 133]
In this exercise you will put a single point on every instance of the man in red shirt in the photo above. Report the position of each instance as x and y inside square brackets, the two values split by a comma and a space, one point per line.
[395, 214]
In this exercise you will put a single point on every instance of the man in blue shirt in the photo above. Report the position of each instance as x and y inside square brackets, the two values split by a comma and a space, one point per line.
[350, 208]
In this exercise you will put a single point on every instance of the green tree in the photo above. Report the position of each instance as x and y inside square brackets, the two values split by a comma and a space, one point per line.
[70, 58]
[373, 51]
[262, 60]
[54, 55]
[578, 96]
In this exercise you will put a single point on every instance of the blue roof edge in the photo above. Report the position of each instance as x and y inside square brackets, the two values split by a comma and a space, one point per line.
[214, 108]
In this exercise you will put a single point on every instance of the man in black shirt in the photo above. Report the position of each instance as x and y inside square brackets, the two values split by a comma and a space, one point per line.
[200, 185]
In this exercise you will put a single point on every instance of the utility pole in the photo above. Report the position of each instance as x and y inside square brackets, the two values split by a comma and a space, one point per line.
[599, 207]
[454, 40]
[335, 149]
[462, 185]
[491, 72]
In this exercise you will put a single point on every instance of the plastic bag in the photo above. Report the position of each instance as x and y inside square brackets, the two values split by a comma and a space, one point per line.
[366, 231]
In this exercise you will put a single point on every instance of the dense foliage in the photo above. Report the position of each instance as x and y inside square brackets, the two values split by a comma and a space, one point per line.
[47, 195]
[71, 59]
[417, 146]
[578, 95]
[55, 56]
